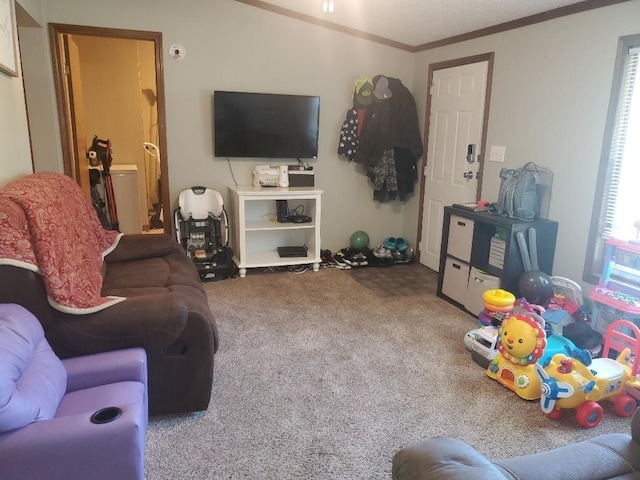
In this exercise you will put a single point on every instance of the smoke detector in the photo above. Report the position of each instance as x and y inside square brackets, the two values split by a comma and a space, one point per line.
[176, 51]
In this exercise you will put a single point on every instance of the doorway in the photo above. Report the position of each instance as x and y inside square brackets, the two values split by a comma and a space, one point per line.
[109, 84]
[455, 135]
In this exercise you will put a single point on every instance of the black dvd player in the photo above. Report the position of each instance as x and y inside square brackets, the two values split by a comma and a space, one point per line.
[286, 252]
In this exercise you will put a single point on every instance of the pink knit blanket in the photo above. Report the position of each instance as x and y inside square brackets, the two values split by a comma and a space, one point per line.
[48, 225]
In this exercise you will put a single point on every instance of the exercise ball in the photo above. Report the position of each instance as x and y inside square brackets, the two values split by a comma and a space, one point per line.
[359, 240]
[536, 287]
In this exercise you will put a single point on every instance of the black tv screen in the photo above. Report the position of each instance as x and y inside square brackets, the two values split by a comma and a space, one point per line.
[265, 125]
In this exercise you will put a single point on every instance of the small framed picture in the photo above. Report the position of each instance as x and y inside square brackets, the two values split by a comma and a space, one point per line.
[8, 38]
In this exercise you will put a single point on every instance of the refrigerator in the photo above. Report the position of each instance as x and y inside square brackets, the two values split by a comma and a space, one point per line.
[126, 190]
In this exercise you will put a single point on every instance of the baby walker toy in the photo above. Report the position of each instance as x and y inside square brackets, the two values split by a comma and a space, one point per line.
[569, 382]
[522, 340]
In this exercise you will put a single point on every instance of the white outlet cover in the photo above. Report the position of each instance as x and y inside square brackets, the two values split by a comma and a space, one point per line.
[177, 51]
[497, 154]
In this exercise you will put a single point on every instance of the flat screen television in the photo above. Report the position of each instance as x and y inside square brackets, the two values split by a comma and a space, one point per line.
[265, 125]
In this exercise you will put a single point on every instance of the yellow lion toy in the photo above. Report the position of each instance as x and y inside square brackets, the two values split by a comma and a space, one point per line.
[522, 341]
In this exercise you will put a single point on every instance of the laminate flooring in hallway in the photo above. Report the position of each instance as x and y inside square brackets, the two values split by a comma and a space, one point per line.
[397, 280]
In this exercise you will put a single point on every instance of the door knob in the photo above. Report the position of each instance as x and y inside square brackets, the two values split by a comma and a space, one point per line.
[468, 175]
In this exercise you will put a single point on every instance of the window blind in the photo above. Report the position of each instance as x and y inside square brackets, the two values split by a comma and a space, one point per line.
[618, 139]
[616, 199]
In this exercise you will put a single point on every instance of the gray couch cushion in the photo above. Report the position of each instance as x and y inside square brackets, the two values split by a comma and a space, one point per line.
[610, 456]
[442, 457]
[605, 456]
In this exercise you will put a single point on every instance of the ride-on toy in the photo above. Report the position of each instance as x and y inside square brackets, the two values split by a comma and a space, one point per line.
[569, 382]
[522, 340]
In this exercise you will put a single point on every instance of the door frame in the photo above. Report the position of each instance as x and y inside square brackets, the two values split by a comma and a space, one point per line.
[483, 57]
[67, 127]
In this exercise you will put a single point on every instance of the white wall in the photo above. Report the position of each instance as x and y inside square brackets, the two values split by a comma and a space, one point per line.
[38, 83]
[549, 100]
[15, 150]
[550, 94]
[15, 154]
[232, 46]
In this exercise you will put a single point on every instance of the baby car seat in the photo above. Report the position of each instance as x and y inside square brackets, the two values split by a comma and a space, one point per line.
[202, 229]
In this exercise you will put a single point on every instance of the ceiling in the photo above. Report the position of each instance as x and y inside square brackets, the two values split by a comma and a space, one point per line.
[419, 24]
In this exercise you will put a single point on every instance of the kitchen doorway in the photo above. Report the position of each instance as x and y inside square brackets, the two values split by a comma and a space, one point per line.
[109, 84]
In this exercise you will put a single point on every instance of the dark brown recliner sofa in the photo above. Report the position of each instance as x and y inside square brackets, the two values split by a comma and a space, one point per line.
[166, 312]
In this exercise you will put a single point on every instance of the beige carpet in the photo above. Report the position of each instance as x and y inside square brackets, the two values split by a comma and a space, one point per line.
[318, 377]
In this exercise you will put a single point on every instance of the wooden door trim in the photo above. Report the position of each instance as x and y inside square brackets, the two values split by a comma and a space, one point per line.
[56, 30]
[484, 57]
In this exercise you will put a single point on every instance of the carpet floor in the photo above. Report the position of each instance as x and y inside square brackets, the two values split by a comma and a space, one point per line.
[319, 377]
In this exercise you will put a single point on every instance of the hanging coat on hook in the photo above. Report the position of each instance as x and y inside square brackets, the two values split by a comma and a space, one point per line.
[390, 122]
[352, 125]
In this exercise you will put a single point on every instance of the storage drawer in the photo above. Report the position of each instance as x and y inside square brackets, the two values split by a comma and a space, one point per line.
[460, 237]
[479, 282]
[455, 280]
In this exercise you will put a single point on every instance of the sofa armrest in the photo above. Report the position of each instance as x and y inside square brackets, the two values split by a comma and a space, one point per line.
[139, 246]
[443, 458]
[610, 455]
[72, 447]
[635, 426]
[109, 367]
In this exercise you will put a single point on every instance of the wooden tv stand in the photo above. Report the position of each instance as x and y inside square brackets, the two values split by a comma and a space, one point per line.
[256, 234]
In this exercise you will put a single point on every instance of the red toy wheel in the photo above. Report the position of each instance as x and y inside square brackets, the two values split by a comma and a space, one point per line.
[589, 414]
[624, 405]
[555, 414]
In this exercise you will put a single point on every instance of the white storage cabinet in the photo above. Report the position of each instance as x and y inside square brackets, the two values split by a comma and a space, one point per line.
[475, 258]
[256, 234]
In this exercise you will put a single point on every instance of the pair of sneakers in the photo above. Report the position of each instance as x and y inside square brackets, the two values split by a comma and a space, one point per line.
[357, 259]
[393, 243]
[338, 261]
[381, 251]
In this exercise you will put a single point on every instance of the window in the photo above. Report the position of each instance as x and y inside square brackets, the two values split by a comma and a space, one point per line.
[616, 211]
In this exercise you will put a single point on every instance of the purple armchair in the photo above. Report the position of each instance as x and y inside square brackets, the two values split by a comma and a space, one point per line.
[83, 417]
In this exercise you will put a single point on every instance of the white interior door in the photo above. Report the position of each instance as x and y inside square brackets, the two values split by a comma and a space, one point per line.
[455, 122]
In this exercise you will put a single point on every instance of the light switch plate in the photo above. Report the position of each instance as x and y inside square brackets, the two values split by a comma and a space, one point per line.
[497, 154]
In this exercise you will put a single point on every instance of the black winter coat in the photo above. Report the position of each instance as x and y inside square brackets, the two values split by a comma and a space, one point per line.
[390, 123]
